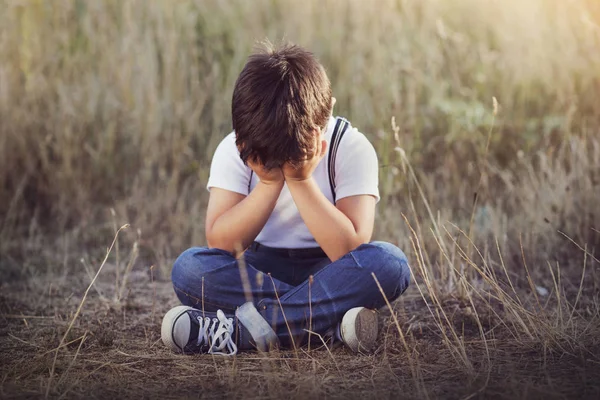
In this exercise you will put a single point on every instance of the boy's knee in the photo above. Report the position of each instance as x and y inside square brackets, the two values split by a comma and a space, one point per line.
[389, 249]
[185, 263]
[193, 263]
[196, 276]
[390, 266]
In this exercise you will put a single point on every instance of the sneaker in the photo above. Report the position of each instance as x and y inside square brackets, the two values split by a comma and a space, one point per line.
[188, 330]
[262, 336]
[358, 329]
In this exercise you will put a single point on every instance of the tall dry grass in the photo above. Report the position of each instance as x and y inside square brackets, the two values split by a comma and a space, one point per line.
[121, 104]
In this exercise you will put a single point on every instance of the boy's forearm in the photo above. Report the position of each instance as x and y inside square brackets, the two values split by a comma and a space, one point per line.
[333, 230]
[238, 227]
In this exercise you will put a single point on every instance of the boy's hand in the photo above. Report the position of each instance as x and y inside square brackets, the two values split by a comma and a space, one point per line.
[266, 176]
[306, 168]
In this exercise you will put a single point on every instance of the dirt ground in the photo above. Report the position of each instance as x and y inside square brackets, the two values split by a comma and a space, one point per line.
[114, 351]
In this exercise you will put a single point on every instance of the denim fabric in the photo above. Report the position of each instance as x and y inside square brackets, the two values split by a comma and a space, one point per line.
[213, 279]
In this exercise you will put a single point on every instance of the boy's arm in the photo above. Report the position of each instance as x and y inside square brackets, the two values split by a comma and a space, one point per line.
[342, 227]
[235, 217]
[233, 220]
[338, 229]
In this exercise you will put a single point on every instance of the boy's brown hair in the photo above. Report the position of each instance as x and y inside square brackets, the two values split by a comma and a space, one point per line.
[281, 98]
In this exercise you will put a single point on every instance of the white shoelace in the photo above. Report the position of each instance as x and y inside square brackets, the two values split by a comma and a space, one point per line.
[218, 334]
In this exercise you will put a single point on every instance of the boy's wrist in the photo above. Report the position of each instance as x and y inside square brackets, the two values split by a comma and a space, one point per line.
[291, 177]
[298, 181]
[276, 183]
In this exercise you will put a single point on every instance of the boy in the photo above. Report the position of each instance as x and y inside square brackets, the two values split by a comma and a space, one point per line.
[296, 188]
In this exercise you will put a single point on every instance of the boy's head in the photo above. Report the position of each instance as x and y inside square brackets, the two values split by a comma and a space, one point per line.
[281, 102]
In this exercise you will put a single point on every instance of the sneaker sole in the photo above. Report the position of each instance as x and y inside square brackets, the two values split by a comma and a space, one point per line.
[359, 329]
[168, 325]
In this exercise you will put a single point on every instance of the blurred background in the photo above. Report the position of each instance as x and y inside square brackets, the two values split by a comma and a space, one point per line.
[118, 105]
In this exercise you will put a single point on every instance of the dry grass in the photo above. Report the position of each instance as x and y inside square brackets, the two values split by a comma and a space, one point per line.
[120, 104]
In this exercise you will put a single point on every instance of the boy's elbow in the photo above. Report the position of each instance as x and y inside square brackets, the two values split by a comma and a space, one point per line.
[220, 245]
[357, 241]
[361, 238]
[210, 239]
[214, 242]
[344, 248]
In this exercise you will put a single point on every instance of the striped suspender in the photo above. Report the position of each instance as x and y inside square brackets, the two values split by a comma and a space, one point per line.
[250, 180]
[341, 126]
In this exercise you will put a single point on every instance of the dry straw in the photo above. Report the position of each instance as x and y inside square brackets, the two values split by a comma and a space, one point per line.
[85, 294]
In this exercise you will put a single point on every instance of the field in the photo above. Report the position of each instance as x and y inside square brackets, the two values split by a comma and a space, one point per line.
[486, 118]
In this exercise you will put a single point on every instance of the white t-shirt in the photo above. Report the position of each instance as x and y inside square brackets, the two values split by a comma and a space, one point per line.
[356, 173]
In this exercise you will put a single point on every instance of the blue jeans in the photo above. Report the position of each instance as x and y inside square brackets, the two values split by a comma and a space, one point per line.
[281, 290]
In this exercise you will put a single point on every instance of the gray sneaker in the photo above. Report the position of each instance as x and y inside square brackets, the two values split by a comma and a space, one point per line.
[188, 330]
[358, 329]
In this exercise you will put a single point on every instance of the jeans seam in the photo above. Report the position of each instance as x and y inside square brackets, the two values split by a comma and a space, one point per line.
[355, 259]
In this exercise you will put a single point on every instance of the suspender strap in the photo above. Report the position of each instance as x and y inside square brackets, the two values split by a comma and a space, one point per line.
[250, 180]
[341, 126]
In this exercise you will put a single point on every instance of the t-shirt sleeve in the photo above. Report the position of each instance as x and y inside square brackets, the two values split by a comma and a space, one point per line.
[227, 170]
[356, 166]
